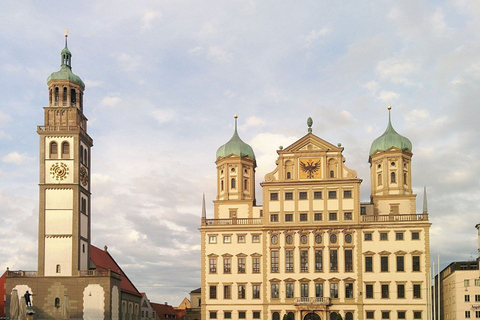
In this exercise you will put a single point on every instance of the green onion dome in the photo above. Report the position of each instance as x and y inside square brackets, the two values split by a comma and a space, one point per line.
[390, 138]
[235, 146]
[65, 72]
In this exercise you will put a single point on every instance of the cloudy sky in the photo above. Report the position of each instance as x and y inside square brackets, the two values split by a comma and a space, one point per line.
[164, 79]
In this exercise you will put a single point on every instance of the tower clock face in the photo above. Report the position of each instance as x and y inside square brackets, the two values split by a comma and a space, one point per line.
[83, 176]
[310, 168]
[59, 171]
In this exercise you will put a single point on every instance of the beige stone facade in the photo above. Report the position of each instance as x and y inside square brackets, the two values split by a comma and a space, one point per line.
[313, 250]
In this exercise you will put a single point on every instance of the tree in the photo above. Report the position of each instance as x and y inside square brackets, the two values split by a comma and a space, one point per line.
[339, 317]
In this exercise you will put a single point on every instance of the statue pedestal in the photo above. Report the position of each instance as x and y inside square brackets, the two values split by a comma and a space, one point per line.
[30, 313]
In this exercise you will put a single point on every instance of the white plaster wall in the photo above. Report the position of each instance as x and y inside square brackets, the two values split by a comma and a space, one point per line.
[83, 225]
[274, 206]
[384, 206]
[224, 210]
[303, 205]
[289, 205]
[83, 255]
[59, 199]
[58, 251]
[115, 303]
[58, 221]
[93, 302]
[348, 204]
[318, 205]
[332, 204]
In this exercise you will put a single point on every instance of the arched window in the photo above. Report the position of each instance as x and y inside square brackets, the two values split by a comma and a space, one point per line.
[404, 178]
[379, 182]
[348, 316]
[221, 185]
[81, 154]
[83, 208]
[58, 269]
[291, 316]
[333, 316]
[232, 183]
[275, 316]
[85, 157]
[289, 175]
[245, 184]
[332, 174]
[73, 97]
[393, 178]
[50, 98]
[53, 150]
[64, 96]
[65, 150]
[57, 302]
[56, 96]
[81, 101]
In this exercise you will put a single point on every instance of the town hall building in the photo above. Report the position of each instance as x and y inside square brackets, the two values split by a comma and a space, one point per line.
[313, 250]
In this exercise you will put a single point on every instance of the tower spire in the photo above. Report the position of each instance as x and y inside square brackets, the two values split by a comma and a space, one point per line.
[425, 207]
[204, 209]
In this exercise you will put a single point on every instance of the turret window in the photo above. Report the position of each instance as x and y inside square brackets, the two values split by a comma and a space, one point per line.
[50, 97]
[53, 150]
[404, 178]
[232, 183]
[64, 96]
[56, 96]
[379, 178]
[393, 178]
[245, 184]
[73, 97]
[65, 150]
[85, 157]
[58, 268]
[81, 154]
[332, 174]
[289, 175]
[221, 185]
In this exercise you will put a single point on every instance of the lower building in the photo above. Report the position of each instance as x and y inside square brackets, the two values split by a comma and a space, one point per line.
[313, 251]
[193, 313]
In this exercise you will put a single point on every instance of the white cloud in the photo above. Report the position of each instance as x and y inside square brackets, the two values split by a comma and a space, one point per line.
[437, 23]
[111, 101]
[219, 54]
[163, 115]
[373, 86]
[252, 121]
[148, 19]
[93, 83]
[17, 158]
[396, 70]
[388, 96]
[313, 36]
[128, 62]
[417, 115]
[4, 118]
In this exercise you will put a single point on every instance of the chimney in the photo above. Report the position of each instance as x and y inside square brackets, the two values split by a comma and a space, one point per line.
[166, 303]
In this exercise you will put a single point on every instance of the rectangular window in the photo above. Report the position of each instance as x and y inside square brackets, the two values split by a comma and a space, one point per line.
[399, 236]
[318, 261]
[256, 291]
[348, 260]
[416, 263]
[241, 265]
[274, 261]
[466, 283]
[213, 314]
[304, 290]
[384, 264]
[385, 291]
[333, 260]
[332, 216]
[349, 290]
[318, 290]
[289, 290]
[227, 265]
[401, 315]
[289, 261]
[241, 291]
[333, 290]
[241, 239]
[400, 263]
[415, 235]
[467, 314]
[477, 282]
[332, 194]
[227, 315]
[317, 195]
[418, 315]
[273, 196]
[288, 217]
[383, 236]
[467, 298]
[288, 195]
[367, 237]
[417, 291]
[400, 291]
[227, 239]
[213, 265]
[242, 315]
[370, 315]
[347, 216]
[477, 298]
[255, 265]
[369, 291]
[274, 217]
[255, 238]
[213, 292]
[303, 195]
[227, 291]
[256, 314]
[477, 314]
[317, 216]
[212, 239]
[347, 194]
[385, 314]
[303, 217]
[303, 260]
[363, 211]
[369, 264]
[274, 289]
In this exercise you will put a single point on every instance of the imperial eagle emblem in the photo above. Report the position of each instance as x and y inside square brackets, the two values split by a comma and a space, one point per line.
[310, 167]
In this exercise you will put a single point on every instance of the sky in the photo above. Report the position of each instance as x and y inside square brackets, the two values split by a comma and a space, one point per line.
[165, 78]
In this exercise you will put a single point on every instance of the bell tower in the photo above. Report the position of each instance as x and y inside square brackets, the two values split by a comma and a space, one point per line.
[390, 172]
[235, 179]
[64, 208]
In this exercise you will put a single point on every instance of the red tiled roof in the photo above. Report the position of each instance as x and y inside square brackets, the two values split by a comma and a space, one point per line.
[104, 261]
[162, 310]
[3, 292]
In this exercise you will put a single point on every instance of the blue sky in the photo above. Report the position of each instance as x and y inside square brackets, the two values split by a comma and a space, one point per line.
[164, 79]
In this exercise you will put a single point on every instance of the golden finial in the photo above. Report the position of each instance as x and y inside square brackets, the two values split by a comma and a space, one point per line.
[235, 116]
[389, 108]
[66, 32]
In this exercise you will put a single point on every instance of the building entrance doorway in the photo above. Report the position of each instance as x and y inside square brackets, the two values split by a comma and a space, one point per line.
[312, 316]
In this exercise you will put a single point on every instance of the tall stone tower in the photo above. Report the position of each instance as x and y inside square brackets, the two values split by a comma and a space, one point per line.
[390, 173]
[64, 208]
